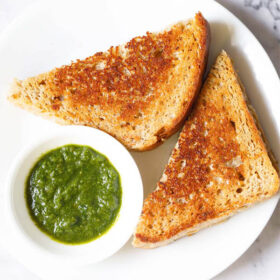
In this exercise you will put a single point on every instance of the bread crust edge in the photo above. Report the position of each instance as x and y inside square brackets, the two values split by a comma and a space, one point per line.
[257, 131]
[180, 120]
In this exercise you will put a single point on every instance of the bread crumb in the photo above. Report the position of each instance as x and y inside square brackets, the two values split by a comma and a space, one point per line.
[163, 178]
[180, 175]
[218, 179]
[235, 162]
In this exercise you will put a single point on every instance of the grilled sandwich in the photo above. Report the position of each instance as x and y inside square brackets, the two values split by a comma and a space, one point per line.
[219, 166]
[139, 92]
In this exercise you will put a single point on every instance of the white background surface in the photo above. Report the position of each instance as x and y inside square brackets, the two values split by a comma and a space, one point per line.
[262, 260]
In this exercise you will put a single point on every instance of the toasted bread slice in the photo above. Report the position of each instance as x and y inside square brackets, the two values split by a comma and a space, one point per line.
[219, 165]
[139, 92]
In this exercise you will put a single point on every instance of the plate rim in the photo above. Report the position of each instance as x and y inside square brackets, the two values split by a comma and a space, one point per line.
[32, 7]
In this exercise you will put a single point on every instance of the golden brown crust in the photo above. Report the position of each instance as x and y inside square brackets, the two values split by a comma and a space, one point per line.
[218, 167]
[139, 92]
[179, 121]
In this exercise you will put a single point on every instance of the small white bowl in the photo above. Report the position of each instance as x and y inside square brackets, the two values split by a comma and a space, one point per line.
[29, 239]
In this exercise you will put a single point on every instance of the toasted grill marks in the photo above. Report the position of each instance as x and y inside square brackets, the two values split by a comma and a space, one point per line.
[218, 166]
[139, 92]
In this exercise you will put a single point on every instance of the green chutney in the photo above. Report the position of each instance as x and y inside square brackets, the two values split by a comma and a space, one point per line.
[73, 194]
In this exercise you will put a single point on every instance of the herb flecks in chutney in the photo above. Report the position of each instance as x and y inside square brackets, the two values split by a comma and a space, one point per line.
[73, 194]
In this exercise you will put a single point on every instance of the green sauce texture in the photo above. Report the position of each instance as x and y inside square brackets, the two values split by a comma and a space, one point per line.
[73, 194]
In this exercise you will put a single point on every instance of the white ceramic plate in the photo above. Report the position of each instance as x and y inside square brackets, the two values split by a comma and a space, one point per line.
[50, 34]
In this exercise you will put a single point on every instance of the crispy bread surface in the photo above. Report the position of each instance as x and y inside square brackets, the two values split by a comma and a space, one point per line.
[139, 92]
[219, 165]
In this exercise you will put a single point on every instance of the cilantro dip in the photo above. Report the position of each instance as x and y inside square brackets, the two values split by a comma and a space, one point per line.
[73, 194]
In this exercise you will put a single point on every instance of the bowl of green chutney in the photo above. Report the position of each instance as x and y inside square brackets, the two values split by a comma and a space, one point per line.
[73, 197]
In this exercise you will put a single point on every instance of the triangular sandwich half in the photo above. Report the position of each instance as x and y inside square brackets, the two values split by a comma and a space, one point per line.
[139, 92]
[218, 167]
